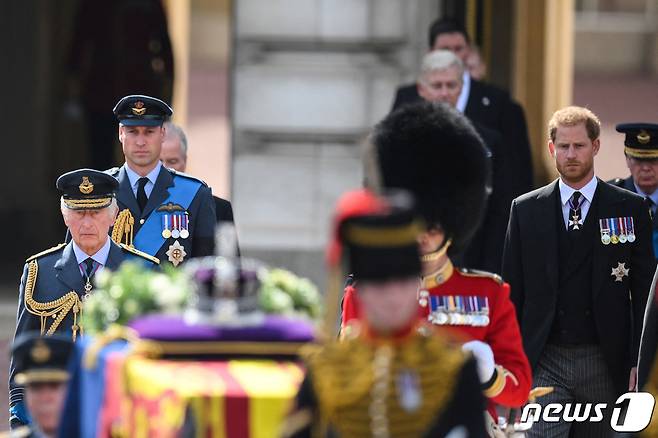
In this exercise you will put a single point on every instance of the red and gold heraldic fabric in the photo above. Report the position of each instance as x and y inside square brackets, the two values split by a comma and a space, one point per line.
[477, 307]
[160, 398]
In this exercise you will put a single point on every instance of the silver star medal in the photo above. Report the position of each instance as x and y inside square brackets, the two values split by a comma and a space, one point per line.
[176, 253]
[620, 271]
[575, 222]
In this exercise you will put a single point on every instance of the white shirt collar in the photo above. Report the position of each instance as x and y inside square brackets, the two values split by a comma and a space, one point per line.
[587, 191]
[466, 90]
[134, 176]
[100, 257]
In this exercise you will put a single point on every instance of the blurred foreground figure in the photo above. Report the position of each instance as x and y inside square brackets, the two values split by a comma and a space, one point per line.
[391, 375]
[42, 367]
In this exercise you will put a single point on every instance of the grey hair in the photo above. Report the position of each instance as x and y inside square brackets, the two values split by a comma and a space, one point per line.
[113, 207]
[173, 129]
[441, 60]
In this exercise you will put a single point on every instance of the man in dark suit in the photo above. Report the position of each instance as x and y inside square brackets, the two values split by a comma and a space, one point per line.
[440, 80]
[641, 151]
[170, 215]
[579, 260]
[56, 280]
[482, 103]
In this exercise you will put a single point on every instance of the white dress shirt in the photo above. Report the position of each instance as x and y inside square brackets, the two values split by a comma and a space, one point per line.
[587, 193]
[100, 257]
[466, 90]
[134, 177]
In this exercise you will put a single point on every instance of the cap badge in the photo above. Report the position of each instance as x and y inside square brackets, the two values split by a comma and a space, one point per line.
[86, 187]
[139, 109]
[40, 352]
[643, 137]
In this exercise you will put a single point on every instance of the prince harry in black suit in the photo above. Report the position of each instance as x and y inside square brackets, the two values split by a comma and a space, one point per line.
[579, 259]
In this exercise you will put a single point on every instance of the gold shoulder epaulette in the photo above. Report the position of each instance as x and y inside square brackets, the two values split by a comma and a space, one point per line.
[477, 273]
[140, 253]
[43, 253]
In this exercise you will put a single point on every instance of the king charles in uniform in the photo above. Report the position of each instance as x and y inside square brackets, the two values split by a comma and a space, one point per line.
[164, 213]
[56, 281]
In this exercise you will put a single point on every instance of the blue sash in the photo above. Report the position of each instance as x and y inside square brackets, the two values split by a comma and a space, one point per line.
[149, 237]
[655, 243]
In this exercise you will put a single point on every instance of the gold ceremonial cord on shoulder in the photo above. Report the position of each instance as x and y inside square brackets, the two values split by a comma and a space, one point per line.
[57, 309]
[123, 228]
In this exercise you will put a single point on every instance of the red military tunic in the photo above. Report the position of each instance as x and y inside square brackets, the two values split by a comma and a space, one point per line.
[485, 313]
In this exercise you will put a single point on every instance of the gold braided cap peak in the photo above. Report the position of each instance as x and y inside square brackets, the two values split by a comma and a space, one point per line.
[43, 253]
[137, 252]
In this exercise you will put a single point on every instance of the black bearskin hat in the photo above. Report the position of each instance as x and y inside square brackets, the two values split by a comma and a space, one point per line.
[434, 152]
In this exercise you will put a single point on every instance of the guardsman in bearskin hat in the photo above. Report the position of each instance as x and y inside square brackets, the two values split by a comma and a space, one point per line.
[433, 152]
[56, 281]
[391, 375]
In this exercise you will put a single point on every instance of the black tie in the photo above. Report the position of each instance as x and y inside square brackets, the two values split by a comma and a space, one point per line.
[575, 217]
[89, 267]
[652, 207]
[141, 193]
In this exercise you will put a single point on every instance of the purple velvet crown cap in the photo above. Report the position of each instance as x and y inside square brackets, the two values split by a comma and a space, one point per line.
[273, 328]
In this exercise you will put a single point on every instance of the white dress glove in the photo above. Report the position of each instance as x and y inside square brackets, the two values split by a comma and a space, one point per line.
[484, 358]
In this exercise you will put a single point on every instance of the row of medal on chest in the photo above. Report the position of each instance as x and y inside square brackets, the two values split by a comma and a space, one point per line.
[176, 225]
[468, 310]
[617, 230]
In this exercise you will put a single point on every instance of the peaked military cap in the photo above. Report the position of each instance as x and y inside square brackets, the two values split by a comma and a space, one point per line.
[381, 244]
[40, 359]
[139, 110]
[87, 189]
[641, 140]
